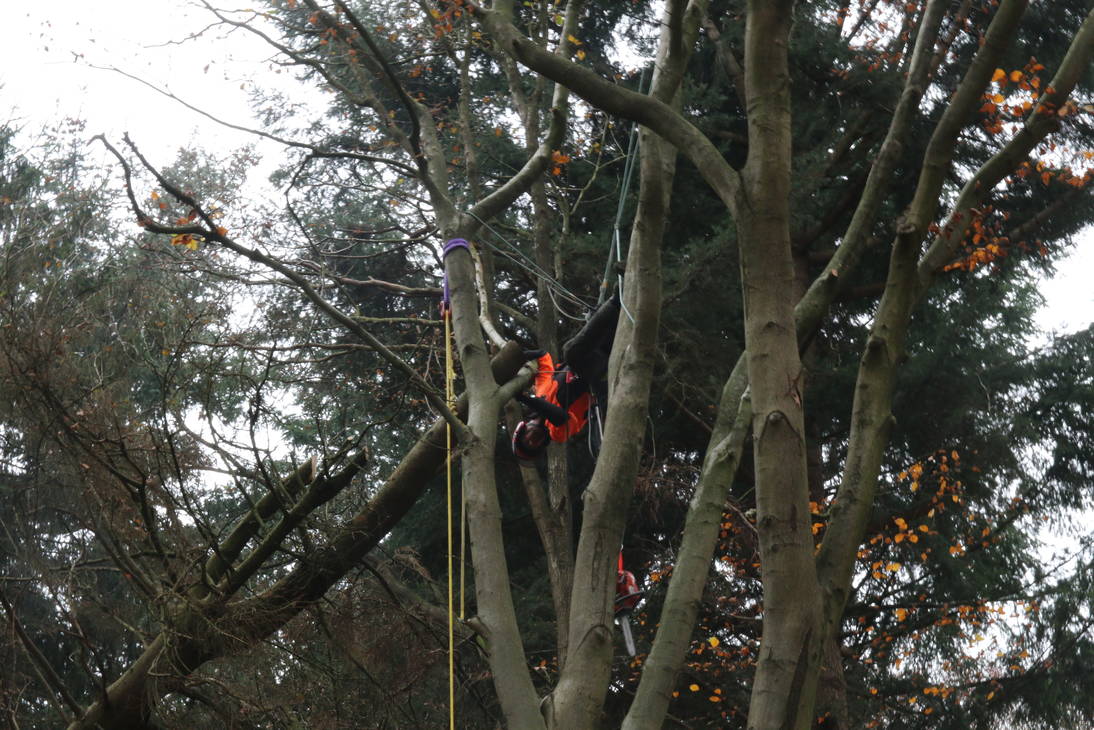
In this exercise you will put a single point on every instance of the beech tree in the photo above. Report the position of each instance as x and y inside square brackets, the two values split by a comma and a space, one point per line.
[804, 597]
[934, 163]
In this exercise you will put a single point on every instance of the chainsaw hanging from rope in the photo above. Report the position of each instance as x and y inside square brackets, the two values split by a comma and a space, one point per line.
[563, 393]
[627, 598]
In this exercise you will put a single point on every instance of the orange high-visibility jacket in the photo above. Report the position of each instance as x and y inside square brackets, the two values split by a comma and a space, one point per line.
[565, 390]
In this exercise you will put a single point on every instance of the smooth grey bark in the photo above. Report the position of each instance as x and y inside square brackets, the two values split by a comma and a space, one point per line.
[784, 687]
[871, 417]
[552, 512]
[734, 411]
[583, 683]
[824, 287]
[689, 576]
[577, 700]
[494, 599]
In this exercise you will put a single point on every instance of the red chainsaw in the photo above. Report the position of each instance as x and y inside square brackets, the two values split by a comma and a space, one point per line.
[627, 596]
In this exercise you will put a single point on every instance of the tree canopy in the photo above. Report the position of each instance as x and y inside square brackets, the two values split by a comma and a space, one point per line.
[848, 473]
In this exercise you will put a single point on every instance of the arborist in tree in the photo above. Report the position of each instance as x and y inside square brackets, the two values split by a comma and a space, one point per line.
[559, 408]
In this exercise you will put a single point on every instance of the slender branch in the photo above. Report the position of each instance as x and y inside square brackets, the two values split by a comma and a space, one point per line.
[211, 232]
[871, 417]
[412, 107]
[315, 150]
[614, 99]
[45, 670]
[1045, 118]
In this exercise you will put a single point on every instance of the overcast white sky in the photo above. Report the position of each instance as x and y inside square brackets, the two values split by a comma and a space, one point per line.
[40, 76]
[41, 79]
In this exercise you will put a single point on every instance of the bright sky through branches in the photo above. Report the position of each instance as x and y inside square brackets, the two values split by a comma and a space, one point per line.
[50, 50]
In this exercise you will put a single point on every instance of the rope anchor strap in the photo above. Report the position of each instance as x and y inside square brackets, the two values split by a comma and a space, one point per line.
[452, 245]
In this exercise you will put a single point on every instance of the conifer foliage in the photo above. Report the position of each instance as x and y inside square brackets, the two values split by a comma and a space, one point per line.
[847, 471]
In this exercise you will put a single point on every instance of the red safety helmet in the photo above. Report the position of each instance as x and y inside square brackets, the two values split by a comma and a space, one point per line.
[530, 439]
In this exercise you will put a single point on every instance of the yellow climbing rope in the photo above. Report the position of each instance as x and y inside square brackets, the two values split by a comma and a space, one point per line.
[450, 398]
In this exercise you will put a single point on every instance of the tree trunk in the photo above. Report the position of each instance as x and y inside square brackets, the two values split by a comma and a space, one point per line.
[494, 597]
[689, 576]
[789, 660]
[579, 697]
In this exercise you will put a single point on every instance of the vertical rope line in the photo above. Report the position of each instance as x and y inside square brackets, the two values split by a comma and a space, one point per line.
[463, 501]
[615, 251]
[449, 377]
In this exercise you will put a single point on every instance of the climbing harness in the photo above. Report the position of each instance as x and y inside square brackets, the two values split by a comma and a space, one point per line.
[596, 427]
[450, 399]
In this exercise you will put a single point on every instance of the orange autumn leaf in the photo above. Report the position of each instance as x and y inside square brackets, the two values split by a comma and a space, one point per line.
[187, 240]
[999, 75]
